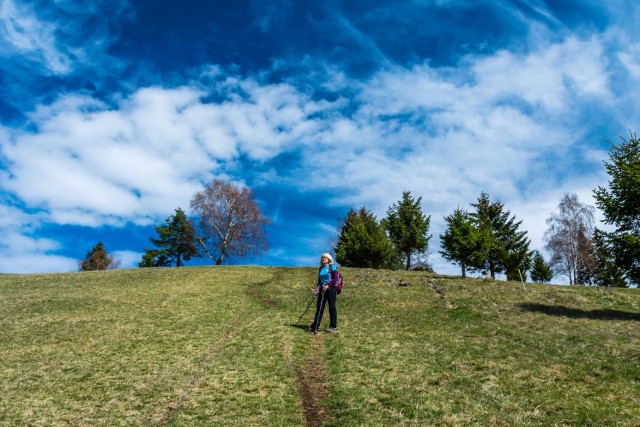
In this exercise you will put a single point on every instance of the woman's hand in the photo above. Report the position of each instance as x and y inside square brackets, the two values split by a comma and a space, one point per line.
[325, 287]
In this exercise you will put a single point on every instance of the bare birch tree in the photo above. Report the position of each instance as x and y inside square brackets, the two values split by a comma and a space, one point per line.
[565, 237]
[229, 221]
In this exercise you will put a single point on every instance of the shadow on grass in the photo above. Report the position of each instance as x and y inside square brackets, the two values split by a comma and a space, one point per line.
[561, 310]
[299, 326]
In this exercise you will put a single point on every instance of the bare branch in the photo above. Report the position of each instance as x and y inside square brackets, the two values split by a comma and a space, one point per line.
[230, 222]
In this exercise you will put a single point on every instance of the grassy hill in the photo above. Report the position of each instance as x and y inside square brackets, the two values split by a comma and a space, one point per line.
[219, 346]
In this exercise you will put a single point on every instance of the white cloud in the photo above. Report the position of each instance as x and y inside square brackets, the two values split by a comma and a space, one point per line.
[128, 259]
[28, 263]
[107, 166]
[20, 252]
[449, 134]
[89, 164]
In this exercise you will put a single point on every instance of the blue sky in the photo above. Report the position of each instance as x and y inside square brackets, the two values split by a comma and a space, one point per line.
[113, 113]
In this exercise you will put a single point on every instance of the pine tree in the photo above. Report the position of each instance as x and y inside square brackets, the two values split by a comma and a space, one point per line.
[541, 271]
[362, 242]
[620, 205]
[508, 246]
[408, 227]
[98, 259]
[149, 258]
[462, 242]
[608, 273]
[517, 261]
[175, 242]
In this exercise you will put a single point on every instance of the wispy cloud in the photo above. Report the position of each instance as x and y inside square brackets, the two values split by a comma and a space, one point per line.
[271, 13]
[59, 36]
[47, 46]
[25, 35]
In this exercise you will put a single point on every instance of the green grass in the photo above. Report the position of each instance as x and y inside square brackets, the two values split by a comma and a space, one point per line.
[209, 346]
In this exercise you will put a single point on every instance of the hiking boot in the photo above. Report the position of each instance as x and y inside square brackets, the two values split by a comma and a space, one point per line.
[311, 328]
[332, 330]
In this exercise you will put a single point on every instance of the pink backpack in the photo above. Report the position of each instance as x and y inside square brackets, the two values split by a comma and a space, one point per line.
[339, 281]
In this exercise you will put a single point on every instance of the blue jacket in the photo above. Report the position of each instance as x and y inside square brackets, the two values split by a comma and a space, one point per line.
[334, 277]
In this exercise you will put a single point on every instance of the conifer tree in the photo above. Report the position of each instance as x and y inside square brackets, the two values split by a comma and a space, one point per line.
[517, 259]
[462, 242]
[541, 271]
[608, 273]
[175, 243]
[620, 204]
[508, 247]
[149, 258]
[98, 259]
[362, 242]
[408, 227]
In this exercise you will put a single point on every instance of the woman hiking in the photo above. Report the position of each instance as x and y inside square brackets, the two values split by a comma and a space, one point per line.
[326, 291]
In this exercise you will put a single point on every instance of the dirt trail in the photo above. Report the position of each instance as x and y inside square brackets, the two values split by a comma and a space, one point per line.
[312, 383]
[440, 293]
[260, 291]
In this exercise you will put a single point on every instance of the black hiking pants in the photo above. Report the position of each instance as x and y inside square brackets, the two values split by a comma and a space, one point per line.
[330, 296]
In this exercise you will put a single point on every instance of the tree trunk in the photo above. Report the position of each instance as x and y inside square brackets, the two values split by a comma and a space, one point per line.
[464, 271]
[221, 257]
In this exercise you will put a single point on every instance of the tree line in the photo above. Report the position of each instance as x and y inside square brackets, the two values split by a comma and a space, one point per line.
[486, 239]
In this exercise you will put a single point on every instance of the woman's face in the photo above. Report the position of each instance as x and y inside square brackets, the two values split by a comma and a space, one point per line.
[324, 260]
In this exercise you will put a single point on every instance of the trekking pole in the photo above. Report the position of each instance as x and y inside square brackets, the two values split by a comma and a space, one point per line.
[305, 310]
[319, 313]
[522, 280]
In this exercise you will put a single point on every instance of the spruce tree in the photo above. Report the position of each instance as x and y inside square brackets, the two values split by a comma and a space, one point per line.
[149, 258]
[462, 242]
[620, 205]
[362, 242]
[408, 227]
[175, 243]
[608, 273]
[98, 259]
[508, 247]
[541, 271]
